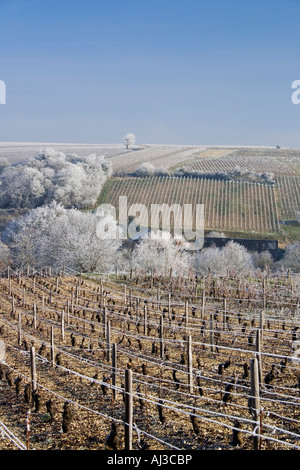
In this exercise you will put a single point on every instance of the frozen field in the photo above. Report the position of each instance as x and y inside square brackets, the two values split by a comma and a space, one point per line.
[16, 152]
[161, 156]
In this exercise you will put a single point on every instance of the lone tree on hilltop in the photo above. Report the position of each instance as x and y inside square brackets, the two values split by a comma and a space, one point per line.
[129, 139]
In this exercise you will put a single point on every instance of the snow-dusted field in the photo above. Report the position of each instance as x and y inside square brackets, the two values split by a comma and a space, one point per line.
[19, 151]
[122, 159]
[161, 156]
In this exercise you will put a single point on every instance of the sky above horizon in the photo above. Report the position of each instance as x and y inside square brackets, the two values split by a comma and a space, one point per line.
[187, 72]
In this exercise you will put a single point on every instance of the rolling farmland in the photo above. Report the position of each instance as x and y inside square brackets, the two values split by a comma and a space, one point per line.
[120, 362]
[242, 204]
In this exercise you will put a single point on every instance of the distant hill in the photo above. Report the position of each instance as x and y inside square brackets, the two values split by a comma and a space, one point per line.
[237, 200]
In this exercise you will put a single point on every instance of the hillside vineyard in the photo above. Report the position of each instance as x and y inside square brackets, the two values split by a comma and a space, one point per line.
[228, 205]
[211, 363]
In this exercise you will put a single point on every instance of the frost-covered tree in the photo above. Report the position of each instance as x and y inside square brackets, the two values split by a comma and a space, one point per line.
[291, 258]
[53, 176]
[237, 258]
[54, 236]
[29, 236]
[4, 256]
[263, 260]
[209, 260]
[159, 253]
[147, 169]
[129, 139]
[21, 186]
[233, 257]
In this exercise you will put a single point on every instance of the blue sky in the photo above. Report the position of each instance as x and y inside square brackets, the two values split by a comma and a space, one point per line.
[169, 71]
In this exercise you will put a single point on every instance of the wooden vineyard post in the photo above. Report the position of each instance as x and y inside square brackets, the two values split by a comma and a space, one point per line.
[108, 341]
[255, 400]
[125, 295]
[114, 369]
[72, 305]
[137, 302]
[13, 312]
[262, 322]
[130, 297]
[68, 312]
[224, 312]
[128, 409]
[101, 294]
[19, 328]
[196, 290]
[52, 347]
[34, 316]
[203, 304]
[169, 306]
[186, 314]
[33, 368]
[190, 364]
[104, 322]
[264, 293]
[62, 325]
[161, 336]
[76, 294]
[211, 333]
[258, 353]
[145, 320]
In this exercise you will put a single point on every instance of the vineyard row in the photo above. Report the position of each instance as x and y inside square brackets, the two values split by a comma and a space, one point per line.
[189, 364]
